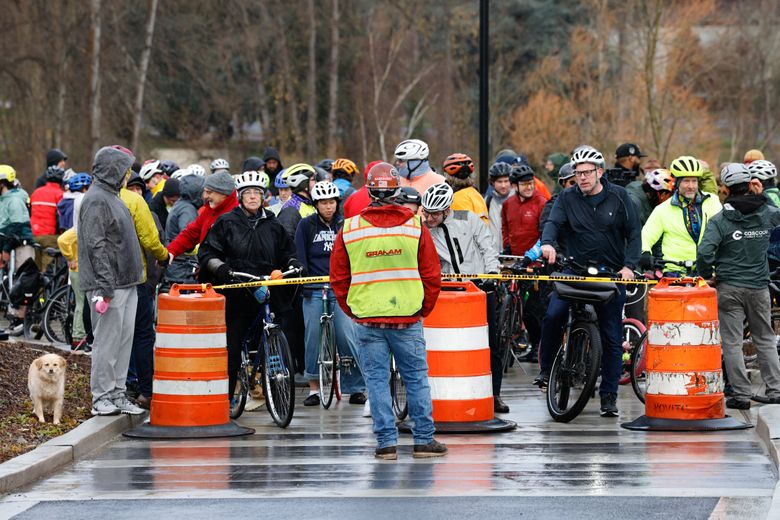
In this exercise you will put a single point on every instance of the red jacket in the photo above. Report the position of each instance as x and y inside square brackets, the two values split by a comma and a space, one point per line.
[196, 231]
[356, 202]
[43, 214]
[520, 222]
[427, 260]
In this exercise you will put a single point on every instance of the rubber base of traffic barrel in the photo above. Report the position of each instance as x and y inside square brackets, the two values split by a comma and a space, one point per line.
[491, 426]
[645, 423]
[148, 431]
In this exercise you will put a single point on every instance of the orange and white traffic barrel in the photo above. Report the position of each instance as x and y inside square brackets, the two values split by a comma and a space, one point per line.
[458, 352]
[684, 372]
[190, 383]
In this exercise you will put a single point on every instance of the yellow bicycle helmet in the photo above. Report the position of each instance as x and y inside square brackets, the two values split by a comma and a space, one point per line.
[7, 173]
[686, 166]
[346, 166]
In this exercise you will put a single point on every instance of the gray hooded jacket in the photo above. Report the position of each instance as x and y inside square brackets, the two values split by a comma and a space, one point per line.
[184, 211]
[465, 245]
[109, 253]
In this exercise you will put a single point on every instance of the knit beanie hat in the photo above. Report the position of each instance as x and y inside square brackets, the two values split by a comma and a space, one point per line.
[221, 182]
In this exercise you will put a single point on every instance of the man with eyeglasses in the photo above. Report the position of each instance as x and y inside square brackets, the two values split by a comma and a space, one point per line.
[601, 225]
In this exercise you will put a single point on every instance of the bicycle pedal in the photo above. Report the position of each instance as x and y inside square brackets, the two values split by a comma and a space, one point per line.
[274, 363]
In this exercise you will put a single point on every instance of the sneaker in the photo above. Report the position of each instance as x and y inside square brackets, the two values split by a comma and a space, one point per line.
[143, 402]
[367, 409]
[358, 398]
[126, 406]
[312, 400]
[16, 327]
[499, 406]
[542, 380]
[609, 405]
[388, 453]
[104, 406]
[766, 400]
[432, 449]
[738, 403]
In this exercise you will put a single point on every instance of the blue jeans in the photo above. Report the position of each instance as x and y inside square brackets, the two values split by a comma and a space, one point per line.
[408, 349]
[351, 383]
[610, 318]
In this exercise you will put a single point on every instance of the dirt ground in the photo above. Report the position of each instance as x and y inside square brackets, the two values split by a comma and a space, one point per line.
[20, 430]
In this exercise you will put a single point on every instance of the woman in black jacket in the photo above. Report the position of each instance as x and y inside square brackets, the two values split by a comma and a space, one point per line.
[247, 239]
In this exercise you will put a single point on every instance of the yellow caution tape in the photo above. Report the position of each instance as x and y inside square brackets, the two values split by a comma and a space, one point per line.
[458, 276]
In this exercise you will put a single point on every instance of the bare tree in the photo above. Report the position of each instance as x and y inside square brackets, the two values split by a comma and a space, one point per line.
[333, 83]
[142, 70]
[94, 119]
[311, 83]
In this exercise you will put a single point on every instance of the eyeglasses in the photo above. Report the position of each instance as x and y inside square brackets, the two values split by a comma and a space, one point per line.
[432, 213]
[585, 173]
[252, 191]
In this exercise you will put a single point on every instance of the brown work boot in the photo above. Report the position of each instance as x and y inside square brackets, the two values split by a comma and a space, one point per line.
[387, 453]
[432, 449]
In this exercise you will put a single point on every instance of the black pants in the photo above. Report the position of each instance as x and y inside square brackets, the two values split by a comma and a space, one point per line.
[240, 312]
[142, 356]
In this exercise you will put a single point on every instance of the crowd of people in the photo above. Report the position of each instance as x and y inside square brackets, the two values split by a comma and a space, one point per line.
[129, 229]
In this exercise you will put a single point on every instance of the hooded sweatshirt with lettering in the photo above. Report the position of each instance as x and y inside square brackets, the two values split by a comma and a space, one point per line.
[735, 242]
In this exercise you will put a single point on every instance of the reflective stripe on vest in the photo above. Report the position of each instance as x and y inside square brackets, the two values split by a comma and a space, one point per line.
[385, 276]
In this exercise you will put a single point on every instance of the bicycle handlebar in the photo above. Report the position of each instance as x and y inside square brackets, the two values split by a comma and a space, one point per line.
[254, 278]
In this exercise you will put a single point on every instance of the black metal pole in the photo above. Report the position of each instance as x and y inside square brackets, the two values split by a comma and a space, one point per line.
[484, 113]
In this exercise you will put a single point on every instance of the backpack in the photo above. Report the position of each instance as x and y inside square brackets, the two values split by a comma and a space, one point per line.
[27, 282]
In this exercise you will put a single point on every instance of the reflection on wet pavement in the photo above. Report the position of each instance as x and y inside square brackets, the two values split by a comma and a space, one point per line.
[330, 453]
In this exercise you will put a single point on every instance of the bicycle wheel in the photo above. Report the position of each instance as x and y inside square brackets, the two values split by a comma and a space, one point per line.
[505, 318]
[398, 392]
[638, 367]
[33, 317]
[240, 393]
[327, 363]
[632, 332]
[574, 372]
[635, 293]
[58, 316]
[278, 378]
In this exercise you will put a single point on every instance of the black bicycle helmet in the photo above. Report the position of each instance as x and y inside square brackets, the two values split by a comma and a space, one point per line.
[521, 172]
[500, 169]
[408, 195]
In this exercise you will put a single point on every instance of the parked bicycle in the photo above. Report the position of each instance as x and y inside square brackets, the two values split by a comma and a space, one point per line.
[266, 359]
[53, 278]
[512, 334]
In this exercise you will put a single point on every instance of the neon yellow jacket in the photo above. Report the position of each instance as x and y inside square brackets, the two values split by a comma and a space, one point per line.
[145, 227]
[666, 223]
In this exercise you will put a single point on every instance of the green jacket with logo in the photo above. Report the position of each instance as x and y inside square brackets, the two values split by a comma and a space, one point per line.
[736, 243]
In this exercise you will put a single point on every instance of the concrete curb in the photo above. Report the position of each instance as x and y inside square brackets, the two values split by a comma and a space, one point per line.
[65, 449]
[768, 429]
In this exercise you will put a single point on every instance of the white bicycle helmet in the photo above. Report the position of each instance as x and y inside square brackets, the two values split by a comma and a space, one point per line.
[412, 149]
[324, 190]
[762, 170]
[587, 154]
[252, 179]
[437, 198]
[149, 169]
[734, 173]
[219, 164]
[297, 176]
[197, 169]
[660, 180]
[178, 174]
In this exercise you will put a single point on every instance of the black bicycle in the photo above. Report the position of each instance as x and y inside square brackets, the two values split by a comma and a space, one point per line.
[55, 277]
[266, 355]
[398, 392]
[513, 340]
[576, 365]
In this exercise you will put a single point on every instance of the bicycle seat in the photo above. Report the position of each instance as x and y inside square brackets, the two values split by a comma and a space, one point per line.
[53, 252]
[586, 292]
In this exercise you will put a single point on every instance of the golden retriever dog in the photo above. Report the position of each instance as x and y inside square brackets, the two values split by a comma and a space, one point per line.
[46, 382]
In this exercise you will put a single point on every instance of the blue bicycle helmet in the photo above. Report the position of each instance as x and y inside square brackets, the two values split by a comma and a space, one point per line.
[279, 182]
[79, 181]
